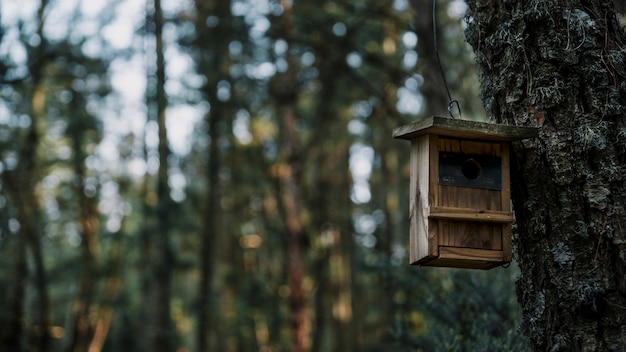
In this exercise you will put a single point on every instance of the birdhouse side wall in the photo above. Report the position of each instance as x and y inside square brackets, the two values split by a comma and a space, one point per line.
[423, 238]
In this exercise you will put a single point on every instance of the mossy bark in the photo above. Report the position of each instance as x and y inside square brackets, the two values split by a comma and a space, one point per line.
[562, 66]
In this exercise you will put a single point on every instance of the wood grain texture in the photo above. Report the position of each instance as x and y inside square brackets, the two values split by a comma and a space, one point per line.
[467, 258]
[419, 199]
[471, 214]
[464, 129]
[433, 195]
[469, 253]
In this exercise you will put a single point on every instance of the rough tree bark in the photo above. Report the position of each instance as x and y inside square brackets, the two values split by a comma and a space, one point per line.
[561, 66]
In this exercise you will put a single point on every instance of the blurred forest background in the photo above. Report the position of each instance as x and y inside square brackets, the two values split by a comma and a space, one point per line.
[220, 176]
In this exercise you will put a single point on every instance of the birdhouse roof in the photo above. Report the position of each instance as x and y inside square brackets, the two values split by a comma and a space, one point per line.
[444, 126]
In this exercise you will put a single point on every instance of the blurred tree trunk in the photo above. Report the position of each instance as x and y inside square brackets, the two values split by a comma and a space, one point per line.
[104, 317]
[12, 331]
[163, 261]
[328, 153]
[387, 191]
[286, 92]
[29, 213]
[22, 184]
[83, 306]
[145, 322]
[213, 62]
[561, 66]
[157, 261]
[333, 269]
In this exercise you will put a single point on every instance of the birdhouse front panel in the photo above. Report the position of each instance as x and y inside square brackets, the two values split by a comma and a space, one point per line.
[460, 210]
[472, 187]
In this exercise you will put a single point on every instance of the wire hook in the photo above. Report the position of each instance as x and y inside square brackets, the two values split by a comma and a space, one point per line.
[454, 103]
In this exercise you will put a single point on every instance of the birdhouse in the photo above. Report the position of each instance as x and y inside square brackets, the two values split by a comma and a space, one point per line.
[460, 209]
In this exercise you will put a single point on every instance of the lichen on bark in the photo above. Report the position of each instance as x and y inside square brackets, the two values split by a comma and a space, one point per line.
[560, 66]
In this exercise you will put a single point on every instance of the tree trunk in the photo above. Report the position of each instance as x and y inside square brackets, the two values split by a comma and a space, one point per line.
[286, 94]
[334, 321]
[82, 329]
[12, 331]
[561, 66]
[156, 259]
[23, 181]
[215, 67]
[163, 334]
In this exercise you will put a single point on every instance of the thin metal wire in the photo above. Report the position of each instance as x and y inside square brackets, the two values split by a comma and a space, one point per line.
[451, 102]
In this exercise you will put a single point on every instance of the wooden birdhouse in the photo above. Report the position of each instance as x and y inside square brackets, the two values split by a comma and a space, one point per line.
[460, 208]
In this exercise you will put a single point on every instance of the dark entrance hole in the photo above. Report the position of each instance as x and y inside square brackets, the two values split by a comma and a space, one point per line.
[470, 169]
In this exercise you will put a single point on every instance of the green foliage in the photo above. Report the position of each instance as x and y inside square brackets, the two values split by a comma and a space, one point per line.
[458, 310]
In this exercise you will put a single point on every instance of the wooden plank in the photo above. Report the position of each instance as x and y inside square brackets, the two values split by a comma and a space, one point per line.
[469, 214]
[418, 199]
[468, 197]
[482, 147]
[464, 129]
[471, 254]
[433, 193]
[470, 234]
[466, 258]
[506, 178]
[461, 263]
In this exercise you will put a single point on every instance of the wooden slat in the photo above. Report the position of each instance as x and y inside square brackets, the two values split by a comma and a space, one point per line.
[470, 234]
[433, 193]
[470, 254]
[461, 263]
[468, 214]
[506, 178]
[468, 197]
[466, 258]
[464, 129]
[419, 194]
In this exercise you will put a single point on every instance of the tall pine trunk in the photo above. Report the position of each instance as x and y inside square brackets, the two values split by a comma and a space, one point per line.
[157, 257]
[286, 95]
[561, 66]
[213, 62]
[163, 261]
[81, 329]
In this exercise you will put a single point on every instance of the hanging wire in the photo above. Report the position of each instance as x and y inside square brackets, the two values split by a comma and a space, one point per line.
[452, 103]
